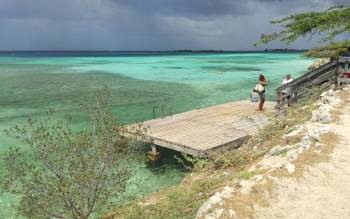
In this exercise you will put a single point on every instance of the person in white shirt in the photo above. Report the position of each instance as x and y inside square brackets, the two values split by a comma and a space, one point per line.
[287, 91]
[287, 80]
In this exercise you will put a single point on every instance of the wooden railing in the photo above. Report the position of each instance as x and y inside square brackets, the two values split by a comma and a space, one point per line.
[301, 86]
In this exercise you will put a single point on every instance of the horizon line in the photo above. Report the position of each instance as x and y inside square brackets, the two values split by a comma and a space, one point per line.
[146, 51]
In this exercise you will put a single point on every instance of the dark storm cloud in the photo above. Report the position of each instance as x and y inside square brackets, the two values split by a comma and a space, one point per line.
[205, 8]
[52, 9]
[192, 8]
[144, 24]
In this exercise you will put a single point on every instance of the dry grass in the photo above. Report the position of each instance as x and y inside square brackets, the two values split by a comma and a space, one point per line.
[311, 157]
[315, 154]
[261, 194]
[244, 204]
[267, 138]
[183, 200]
[338, 111]
[180, 201]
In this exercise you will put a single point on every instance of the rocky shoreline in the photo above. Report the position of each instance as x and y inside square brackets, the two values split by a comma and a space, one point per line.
[280, 158]
[318, 63]
[242, 183]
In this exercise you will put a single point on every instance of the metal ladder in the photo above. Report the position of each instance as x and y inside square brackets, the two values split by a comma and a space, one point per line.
[162, 110]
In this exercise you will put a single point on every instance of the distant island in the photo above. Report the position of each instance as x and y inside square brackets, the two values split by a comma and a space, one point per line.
[285, 50]
[144, 51]
[201, 51]
[227, 51]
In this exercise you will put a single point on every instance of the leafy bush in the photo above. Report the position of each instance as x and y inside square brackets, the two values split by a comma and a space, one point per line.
[329, 23]
[192, 163]
[333, 50]
[66, 173]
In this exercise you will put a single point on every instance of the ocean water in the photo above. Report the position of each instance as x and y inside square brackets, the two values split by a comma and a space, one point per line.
[32, 82]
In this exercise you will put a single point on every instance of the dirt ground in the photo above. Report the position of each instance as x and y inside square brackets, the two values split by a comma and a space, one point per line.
[324, 189]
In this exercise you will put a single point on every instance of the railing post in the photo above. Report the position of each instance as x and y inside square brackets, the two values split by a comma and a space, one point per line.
[163, 110]
[154, 111]
[153, 154]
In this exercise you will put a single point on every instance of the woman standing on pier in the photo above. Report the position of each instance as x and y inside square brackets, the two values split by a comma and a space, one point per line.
[260, 88]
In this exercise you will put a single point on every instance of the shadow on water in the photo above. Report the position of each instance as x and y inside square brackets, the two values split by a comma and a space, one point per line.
[167, 159]
[151, 176]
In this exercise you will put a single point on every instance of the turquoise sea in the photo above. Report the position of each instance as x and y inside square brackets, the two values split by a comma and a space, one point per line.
[33, 82]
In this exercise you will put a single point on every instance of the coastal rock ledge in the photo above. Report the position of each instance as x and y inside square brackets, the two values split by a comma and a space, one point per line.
[281, 163]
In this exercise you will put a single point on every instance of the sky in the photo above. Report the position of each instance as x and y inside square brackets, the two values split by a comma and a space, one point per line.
[147, 24]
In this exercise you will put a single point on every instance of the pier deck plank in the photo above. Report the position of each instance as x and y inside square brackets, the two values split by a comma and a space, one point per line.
[201, 132]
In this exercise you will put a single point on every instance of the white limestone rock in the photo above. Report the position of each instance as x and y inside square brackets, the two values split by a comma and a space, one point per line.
[318, 63]
[294, 135]
[321, 115]
[226, 174]
[232, 214]
[305, 142]
[253, 168]
[216, 214]
[316, 130]
[246, 186]
[272, 162]
[330, 97]
[278, 150]
[290, 167]
[294, 154]
[329, 100]
[217, 198]
[297, 131]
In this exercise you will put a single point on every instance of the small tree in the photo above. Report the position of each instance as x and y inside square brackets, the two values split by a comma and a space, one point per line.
[332, 22]
[68, 174]
[332, 50]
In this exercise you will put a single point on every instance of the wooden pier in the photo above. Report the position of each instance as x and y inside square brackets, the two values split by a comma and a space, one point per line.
[204, 132]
